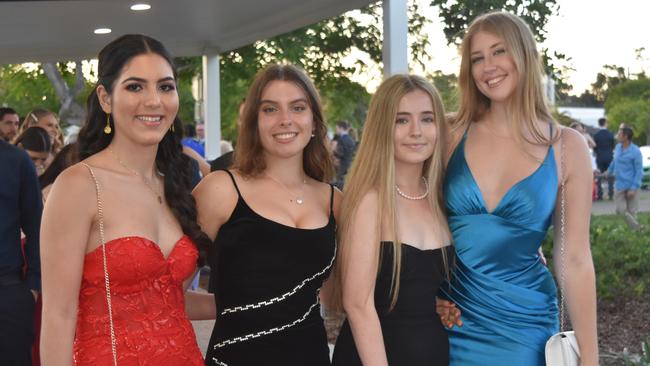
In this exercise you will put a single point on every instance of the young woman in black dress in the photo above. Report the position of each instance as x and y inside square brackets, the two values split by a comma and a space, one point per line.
[393, 232]
[272, 219]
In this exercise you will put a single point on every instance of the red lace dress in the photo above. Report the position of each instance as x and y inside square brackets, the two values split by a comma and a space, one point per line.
[151, 327]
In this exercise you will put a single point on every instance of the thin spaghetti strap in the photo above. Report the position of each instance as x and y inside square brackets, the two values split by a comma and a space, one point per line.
[100, 215]
[232, 177]
[331, 199]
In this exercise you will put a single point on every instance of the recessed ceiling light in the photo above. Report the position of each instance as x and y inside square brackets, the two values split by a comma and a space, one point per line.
[102, 31]
[140, 7]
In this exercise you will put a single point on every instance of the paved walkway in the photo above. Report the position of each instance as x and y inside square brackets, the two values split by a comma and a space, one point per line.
[607, 207]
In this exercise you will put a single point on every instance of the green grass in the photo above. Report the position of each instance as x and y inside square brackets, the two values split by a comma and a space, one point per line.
[621, 256]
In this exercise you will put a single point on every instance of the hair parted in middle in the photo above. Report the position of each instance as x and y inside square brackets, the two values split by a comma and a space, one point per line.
[249, 152]
[528, 102]
[374, 169]
[170, 160]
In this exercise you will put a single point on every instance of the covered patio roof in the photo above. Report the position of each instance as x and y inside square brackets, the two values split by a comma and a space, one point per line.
[63, 30]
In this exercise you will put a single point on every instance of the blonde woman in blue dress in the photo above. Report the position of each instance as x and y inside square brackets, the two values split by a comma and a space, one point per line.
[502, 193]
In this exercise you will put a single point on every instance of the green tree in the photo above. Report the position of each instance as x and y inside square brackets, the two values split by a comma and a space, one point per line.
[611, 76]
[447, 85]
[25, 86]
[457, 15]
[320, 49]
[629, 102]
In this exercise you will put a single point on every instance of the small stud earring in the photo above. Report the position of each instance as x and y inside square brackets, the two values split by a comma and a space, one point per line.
[108, 129]
[172, 128]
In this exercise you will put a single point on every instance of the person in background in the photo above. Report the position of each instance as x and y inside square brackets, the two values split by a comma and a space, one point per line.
[627, 168]
[36, 142]
[47, 120]
[191, 140]
[604, 151]
[224, 161]
[581, 128]
[20, 210]
[344, 152]
[9, 122]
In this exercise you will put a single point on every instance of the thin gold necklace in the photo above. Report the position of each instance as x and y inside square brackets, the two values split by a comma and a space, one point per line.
[144, 180]
[299, 198]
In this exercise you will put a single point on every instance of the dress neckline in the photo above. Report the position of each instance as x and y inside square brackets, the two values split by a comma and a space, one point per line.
[329, 220]
[432, 250]
[145, 240]
[511, 189]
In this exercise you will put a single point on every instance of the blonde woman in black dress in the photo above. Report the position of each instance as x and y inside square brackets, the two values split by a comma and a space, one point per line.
[393, 232]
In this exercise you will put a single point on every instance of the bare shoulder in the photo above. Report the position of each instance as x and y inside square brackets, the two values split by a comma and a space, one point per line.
[369, 202]
[75, 179]
[575, 145]
[217, 184]
[74, 187]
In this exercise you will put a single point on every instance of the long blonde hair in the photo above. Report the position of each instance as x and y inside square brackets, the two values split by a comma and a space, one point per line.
[374, 169]
[528, 102]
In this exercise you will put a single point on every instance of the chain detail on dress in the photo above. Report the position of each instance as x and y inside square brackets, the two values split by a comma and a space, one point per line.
[250, 336]
[282, 297]
[100, 214]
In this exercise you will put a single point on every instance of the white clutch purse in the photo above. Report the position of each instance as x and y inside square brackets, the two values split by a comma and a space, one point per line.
[562, 350]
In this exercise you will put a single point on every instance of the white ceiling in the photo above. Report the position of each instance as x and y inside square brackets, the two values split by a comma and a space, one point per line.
[63, 30]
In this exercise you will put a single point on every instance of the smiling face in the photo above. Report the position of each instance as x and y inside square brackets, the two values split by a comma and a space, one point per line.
[144, 101]
[285, 119]
[493, 68]
[415, 128]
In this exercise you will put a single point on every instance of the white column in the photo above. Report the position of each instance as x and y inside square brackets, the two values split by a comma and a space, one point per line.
[212, 106]
[395, 50]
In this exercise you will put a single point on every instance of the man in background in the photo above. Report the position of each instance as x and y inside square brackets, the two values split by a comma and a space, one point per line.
[627, 168]
[604, 148]
[9, 121]
[345, 148]
[20, 275]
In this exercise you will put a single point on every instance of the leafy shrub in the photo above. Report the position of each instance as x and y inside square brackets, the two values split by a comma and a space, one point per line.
[621, 256]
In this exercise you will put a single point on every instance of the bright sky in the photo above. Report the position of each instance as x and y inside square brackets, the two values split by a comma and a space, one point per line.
[592, 32]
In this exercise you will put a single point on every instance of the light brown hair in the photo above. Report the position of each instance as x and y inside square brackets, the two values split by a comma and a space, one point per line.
[249, 152]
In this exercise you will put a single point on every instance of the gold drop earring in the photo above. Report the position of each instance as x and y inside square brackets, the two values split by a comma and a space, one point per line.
[108, 129]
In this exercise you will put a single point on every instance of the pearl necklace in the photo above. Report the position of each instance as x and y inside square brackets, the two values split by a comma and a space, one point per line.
[415, 198]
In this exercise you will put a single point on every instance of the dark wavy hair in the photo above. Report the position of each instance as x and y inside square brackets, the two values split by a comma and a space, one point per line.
[170, 159]
[65, 158]
[249, 152]
[34, 139]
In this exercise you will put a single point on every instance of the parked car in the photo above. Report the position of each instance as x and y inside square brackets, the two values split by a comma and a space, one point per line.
[645, 152]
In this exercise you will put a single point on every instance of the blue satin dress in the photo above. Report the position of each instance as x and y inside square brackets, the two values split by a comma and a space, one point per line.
[506, 294]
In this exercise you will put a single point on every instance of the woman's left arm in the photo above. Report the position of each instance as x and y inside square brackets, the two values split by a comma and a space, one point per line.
[579, 276]
[198, 305]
